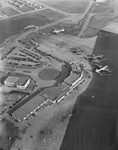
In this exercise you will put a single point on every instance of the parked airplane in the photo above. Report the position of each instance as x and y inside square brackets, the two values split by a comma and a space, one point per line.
[57, 31]
[94, 58]
[101, 70]
[97, 56]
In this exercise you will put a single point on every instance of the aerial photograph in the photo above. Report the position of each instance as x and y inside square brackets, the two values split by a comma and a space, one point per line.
[58, 74]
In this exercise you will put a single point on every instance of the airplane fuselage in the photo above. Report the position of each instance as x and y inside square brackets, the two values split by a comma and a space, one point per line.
[103, 70]
[58, 31]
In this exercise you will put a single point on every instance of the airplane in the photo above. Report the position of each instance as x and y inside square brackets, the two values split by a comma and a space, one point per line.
[94, 57]
[101, 70]
[98, 56]
[57, 31]
[70, 115]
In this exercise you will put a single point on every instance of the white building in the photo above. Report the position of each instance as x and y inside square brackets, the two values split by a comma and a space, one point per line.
[11, 81]
[23, 83]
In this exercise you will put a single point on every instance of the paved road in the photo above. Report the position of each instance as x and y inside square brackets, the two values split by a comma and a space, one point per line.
[88, 17]
[86, 11]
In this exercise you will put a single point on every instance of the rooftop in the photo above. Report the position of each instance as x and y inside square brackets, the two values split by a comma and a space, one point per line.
[22, 80]
[73, 77]
[28, 107]
[53, 92]
[12, 79]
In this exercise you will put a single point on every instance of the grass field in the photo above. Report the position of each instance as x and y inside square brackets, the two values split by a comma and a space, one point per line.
[13, 26]
[48, 13]
[49, 74]
[8, 131]
[70, 6]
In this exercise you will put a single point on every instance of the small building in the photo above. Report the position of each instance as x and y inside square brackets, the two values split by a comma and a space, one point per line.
[11, 81]
[23, 82]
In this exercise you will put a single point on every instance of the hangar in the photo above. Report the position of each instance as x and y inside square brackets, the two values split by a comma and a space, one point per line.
[25, 110]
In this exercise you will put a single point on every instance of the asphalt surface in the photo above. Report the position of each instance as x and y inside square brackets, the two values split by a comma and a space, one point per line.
[93, 125]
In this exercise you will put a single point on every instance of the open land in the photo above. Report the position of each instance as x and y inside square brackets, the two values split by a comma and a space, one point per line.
[74, 7]
[103, 12]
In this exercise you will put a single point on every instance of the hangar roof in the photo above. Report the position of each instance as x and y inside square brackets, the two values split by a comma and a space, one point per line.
[28, 107]
[12, 79]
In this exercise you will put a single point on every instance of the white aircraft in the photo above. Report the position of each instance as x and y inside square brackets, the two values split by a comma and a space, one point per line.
[58, 31]
[103, 70]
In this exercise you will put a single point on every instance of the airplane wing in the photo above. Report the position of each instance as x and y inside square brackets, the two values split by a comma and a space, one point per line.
[103, 70]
